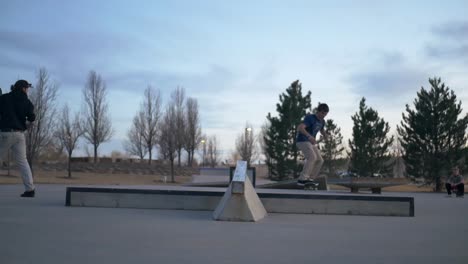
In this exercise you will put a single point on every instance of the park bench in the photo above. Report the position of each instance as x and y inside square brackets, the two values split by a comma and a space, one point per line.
[374, 184]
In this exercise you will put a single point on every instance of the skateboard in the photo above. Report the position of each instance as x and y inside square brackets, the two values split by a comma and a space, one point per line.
[311, 186]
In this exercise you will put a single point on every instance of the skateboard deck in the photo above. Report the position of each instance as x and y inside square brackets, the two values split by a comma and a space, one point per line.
[311, 186]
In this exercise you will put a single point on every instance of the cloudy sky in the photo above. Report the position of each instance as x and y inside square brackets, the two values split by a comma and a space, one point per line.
[236, 57]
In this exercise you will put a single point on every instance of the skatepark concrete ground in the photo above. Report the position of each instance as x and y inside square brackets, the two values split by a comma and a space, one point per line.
[43, 230]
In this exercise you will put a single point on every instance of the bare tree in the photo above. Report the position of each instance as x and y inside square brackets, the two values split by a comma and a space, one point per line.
[213, 152]
[41, 131]
[136, 144]
[68, 133]
[168, 139]
[397, 152]
[193, 129]
[97, 125]
[246, 145]
[233, 158]
[54, 150]
[178, 99]
[151, 109]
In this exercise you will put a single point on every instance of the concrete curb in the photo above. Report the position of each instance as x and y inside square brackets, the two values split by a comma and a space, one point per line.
[207, 199]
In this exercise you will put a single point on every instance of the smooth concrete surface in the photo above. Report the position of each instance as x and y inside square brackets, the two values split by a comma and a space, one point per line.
[276, 201]
[43, 230]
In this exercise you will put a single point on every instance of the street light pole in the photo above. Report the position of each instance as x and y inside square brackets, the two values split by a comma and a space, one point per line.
[247, 145]
[204, 152]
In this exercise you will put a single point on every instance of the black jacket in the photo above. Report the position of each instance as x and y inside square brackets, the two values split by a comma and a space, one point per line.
[15, 109]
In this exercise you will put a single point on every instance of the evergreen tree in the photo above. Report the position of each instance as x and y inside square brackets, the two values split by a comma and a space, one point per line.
[465, 157]
[370, 145]
[432, 136]
[331, 147]
[280, 136]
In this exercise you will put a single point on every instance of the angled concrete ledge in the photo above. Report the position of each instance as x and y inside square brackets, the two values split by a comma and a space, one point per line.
[274, 201]
[240, 202]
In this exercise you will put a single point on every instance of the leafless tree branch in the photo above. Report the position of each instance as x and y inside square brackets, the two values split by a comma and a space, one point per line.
[40, 133]
[97, 125]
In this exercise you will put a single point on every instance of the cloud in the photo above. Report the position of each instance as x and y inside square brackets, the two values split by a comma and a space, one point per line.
[70, 55]
[390, 77]
[202, 83]
[389, 59]
[387, 83]
[448, 52]
[450, 42]
[455, 30]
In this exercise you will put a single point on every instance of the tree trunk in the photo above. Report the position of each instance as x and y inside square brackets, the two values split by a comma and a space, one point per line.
[69, 165]
[189, 159]
[172, 171]
[192, 155]
[438, 187]
[95, 154]
[178, 157]
[9, 162]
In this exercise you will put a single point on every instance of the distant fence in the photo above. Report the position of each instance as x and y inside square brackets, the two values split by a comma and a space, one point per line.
[114, 160]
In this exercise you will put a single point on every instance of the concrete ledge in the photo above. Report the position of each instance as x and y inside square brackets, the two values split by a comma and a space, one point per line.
[338, 204]
[274, 201]
[143, 198]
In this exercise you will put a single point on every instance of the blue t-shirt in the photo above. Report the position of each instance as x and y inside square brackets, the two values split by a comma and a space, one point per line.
[313, 126]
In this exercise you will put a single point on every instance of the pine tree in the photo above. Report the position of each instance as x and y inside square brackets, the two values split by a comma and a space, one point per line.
[280, 137]
[432, 135]
[332, 146]
[465, 156]
[370, 145]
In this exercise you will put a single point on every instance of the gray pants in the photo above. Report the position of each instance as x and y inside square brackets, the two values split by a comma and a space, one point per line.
[313, 160]
[17, 143]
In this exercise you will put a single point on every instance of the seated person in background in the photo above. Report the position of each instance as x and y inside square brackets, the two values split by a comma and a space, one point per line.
[455, 182]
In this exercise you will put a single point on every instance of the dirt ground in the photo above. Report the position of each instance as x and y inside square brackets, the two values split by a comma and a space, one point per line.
[82, 178]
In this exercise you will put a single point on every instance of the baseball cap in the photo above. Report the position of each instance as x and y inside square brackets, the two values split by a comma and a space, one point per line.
[22, 84]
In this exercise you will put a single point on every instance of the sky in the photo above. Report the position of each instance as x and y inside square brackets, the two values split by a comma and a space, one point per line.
[237, 57]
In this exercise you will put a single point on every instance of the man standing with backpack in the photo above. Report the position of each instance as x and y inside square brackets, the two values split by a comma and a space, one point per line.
[15, 110]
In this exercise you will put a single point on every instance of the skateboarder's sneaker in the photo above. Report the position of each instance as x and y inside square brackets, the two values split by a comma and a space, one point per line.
[460, 196]
[448, 196]
[29, 194]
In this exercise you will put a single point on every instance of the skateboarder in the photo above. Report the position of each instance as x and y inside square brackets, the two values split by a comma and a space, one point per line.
[15, 110]
[455, 182]
[306, 142]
